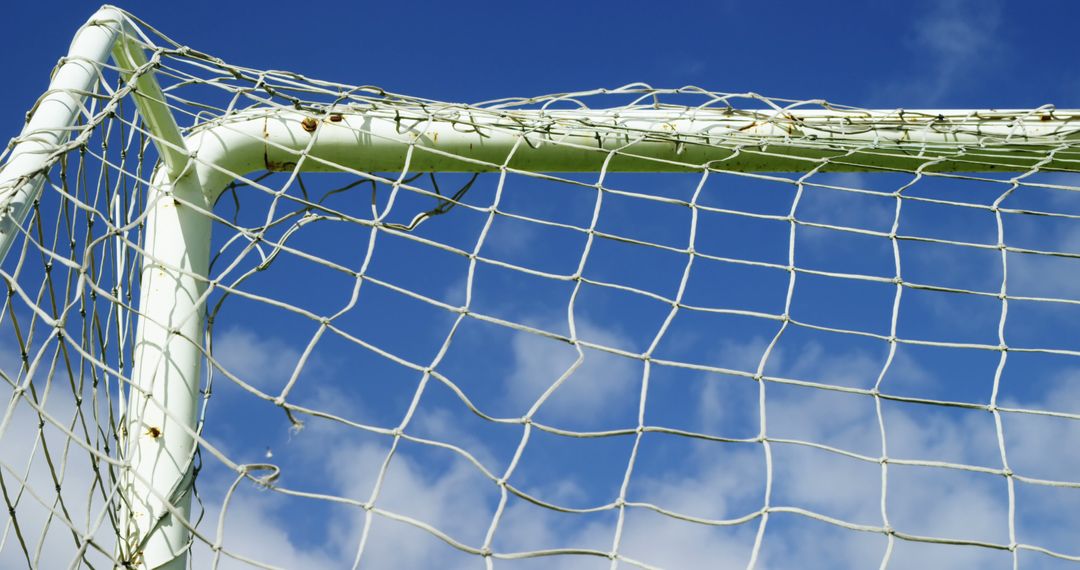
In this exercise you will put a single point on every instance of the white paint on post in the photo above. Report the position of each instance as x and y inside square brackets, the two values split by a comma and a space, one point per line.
[165, 379]
[166, 365]
[377, 140]
[48, 129]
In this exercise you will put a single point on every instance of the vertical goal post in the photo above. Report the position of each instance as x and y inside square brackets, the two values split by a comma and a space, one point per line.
[160, 433]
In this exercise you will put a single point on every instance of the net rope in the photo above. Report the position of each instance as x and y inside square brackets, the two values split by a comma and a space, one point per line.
[71, 311]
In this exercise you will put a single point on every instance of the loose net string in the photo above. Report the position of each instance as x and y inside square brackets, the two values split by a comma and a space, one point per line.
[70, 314]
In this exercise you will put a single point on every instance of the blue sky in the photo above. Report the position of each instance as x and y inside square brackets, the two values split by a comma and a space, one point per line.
[953, 54]
[879, 54]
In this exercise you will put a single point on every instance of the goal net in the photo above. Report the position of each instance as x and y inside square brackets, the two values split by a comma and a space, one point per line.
[258, 320]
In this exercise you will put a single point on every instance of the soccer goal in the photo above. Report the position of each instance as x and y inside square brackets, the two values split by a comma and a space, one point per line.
[258, 320]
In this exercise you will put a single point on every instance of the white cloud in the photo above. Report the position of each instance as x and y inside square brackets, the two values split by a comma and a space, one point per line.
[48, 538]
[601, 384]
[260, 525]
[955, 38]
[853, 368]
[443, 426]
[844, 208]
[262, 361]
[509, 239]
[1047, 276]
[746, 355]
[722, 402]
[256, 528]
[449, 494]
[445, 491]
[953, 35]
[454, 499]
[664, 542]
[921, 500]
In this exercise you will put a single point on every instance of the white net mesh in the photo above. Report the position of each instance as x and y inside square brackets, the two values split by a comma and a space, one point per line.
[526, 369]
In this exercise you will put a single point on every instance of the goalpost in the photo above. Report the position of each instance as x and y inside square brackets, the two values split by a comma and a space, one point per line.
[123, 270]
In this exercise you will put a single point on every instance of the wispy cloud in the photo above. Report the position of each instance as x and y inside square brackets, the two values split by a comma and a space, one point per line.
[950, 43]
[262, 361]
[709, 479]
[591, 392]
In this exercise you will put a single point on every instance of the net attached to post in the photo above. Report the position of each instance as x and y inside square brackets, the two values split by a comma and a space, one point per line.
[865, 356]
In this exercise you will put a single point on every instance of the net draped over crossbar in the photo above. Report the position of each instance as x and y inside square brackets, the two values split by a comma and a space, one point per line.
[629, 327]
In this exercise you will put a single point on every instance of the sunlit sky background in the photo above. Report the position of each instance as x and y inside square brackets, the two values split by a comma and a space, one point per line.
[949, 54]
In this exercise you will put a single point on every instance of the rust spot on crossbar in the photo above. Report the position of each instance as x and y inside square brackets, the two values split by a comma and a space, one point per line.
[153, 432]
[309, 124]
